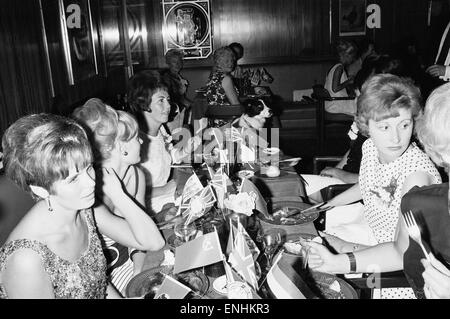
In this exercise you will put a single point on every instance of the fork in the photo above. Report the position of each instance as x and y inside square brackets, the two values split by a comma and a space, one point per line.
[414, 231]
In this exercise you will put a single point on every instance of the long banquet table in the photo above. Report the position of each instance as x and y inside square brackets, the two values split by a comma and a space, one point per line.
[288, 183]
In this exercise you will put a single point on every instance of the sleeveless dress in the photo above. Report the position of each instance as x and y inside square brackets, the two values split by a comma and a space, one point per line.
[381, 188]
[82, 279]
[342, 106]
[120, 267]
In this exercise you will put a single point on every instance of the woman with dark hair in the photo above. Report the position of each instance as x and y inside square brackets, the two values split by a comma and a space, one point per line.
[150, 102]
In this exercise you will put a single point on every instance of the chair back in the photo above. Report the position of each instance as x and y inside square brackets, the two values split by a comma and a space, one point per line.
[14, 204]
[323, 118]
[224, 112]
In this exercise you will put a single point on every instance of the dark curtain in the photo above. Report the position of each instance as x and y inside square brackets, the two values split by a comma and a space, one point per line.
[24, 84]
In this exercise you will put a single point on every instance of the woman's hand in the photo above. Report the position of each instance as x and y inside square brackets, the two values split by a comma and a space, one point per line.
[437, 279]
[111, 184]
[338, 244]
[328, 172]
[321, 259]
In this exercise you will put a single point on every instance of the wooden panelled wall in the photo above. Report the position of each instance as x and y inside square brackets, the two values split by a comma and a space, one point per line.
[24, 78]
[272, 31]
[286, 31]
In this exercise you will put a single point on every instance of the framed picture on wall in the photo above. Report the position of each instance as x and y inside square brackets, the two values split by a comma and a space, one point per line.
[187, 26]
[78, 39]
[352, 17]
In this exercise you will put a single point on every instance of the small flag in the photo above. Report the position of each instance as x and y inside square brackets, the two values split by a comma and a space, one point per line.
[201, 251]
[199, 204]
[242, 260]
[171, 289]
[248, 187]
[247, 154]
[231, 237]
[192, 187]
[286, 283]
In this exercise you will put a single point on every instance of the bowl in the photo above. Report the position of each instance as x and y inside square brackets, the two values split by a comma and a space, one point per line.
[149, 281]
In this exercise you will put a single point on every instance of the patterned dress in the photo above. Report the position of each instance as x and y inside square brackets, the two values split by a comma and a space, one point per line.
[381, 188]
[215, 93]
[82, 279]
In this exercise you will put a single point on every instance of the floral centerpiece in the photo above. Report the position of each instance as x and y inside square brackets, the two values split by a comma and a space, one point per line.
[242, 203]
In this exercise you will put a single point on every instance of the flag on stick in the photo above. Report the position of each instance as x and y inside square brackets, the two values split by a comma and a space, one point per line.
[242, 260]
[171, 289]
[286, 283]
[201, 251]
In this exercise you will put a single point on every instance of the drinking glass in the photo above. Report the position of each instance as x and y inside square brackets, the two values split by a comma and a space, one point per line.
[210, 160]
[271, 240]
[185, 233]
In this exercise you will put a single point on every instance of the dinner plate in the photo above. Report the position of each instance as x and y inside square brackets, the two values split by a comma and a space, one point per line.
[321, 284]
[148, 282]
[246, 173]
[289, 206]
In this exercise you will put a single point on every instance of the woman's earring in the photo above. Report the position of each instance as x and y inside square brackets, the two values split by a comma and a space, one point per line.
[125, 153]
[50, 208]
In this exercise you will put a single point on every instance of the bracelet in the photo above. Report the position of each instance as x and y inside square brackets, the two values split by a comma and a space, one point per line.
[351, 258]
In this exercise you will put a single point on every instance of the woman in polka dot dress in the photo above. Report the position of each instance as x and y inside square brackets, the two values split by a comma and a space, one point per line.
[372, 237]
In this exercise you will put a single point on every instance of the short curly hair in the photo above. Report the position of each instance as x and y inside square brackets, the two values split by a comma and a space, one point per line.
[381, 97]
[173, 53]
[45, 148]
[433, 125]
[224, 59]
[347, 47]
[141, 88]
[105, 126]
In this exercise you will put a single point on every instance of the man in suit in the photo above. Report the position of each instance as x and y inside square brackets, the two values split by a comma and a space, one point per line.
[441, 67]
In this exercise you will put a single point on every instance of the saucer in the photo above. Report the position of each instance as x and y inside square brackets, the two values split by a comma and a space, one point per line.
[220, 285]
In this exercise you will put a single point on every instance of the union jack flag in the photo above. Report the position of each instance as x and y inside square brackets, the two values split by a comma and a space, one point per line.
[242, 260]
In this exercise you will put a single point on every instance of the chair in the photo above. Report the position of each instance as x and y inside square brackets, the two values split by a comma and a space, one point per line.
[226, 113]
[324, 118]
[14, 204]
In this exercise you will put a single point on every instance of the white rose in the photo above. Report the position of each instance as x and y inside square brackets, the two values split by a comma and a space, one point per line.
[242, 203]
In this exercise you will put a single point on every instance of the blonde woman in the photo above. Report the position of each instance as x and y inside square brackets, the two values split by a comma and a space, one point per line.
[116, 144]
[373, 234]
[431, 278]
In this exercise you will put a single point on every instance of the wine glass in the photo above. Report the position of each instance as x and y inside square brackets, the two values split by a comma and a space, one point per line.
[185, 232]
[271, 240]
